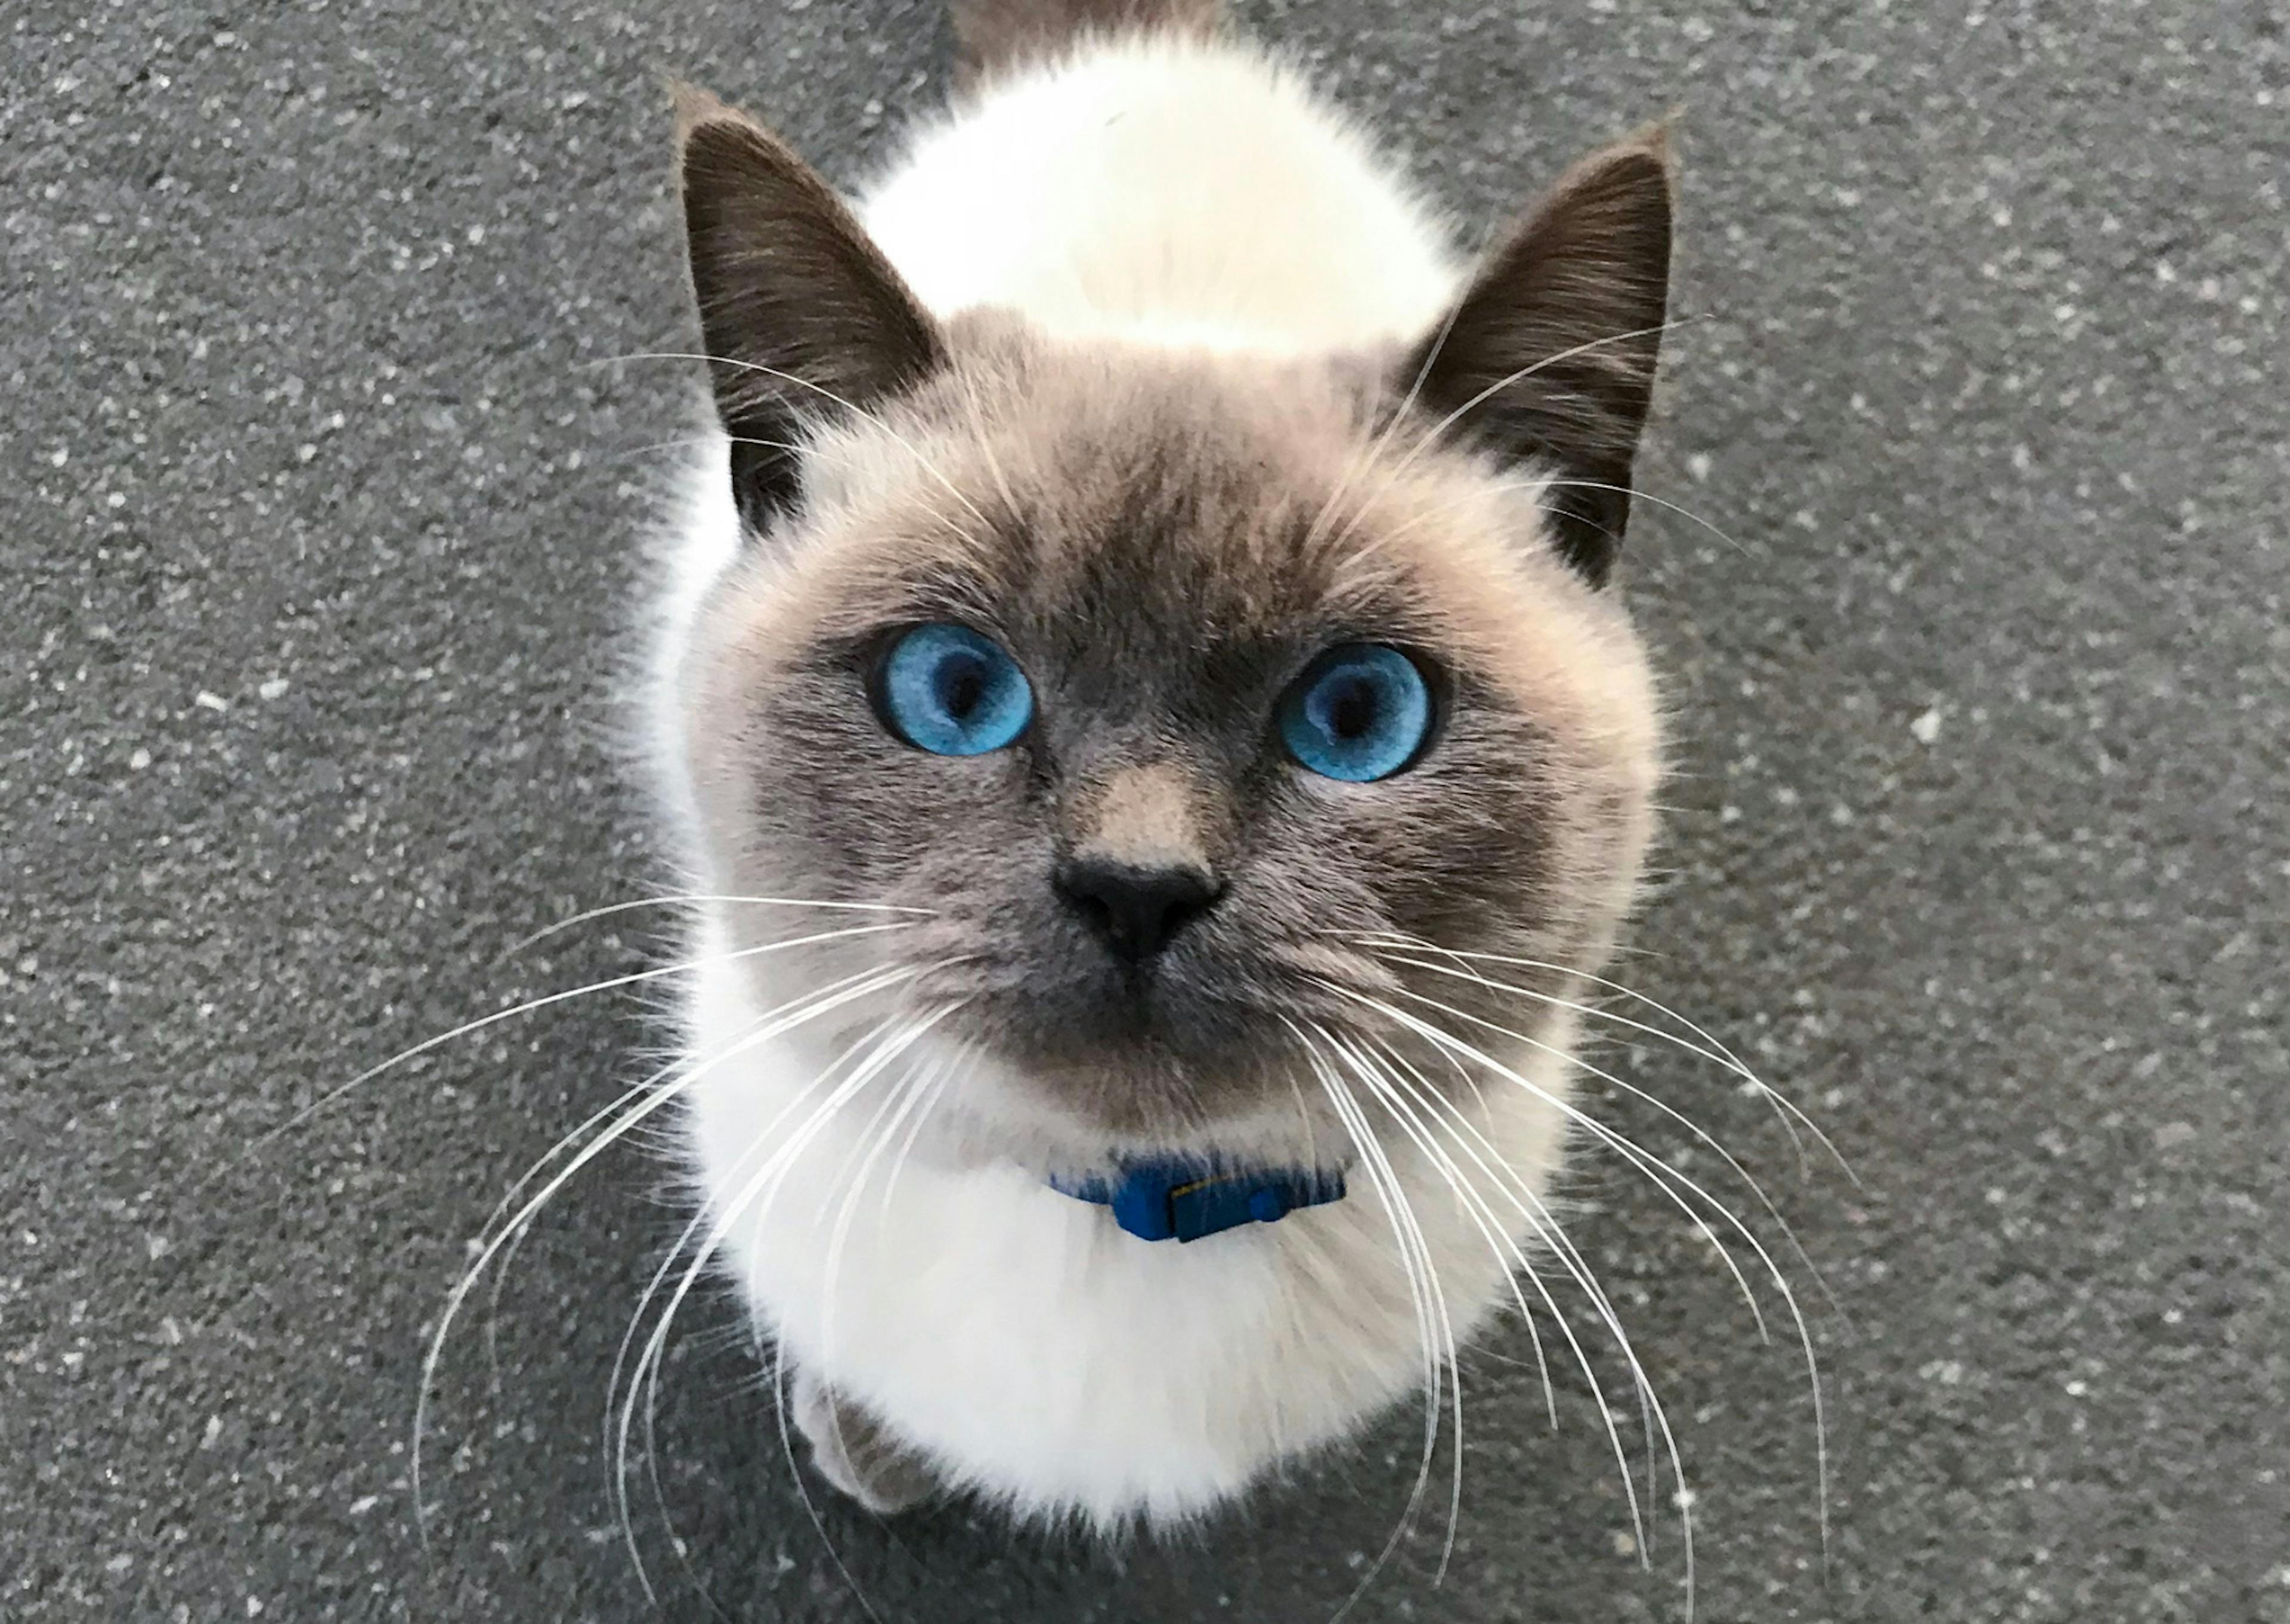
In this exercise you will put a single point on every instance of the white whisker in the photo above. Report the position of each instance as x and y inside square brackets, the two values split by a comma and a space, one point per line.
[1722, 1054]
[1545, 1227]
[633, 979]
[1733, 1162]
[875, 418]
[1638, 1155]
[790, 1016]
[595, 1119]
[507, 1259]
[1667, 1109]
[690, 898]
[1524, 373]
[667, 1264]
[1354, 466]
[1648, 1397]
[906, 1094]
[1662, 1176]
[1361, 1069]
[643, 1381]
[765, 1186]
[802, 1490]
[964, 1063]
[1534, 1336]
[1362, 1138]
[1544, 1223]
[695, 441]
[986, 444]
[1636, 495]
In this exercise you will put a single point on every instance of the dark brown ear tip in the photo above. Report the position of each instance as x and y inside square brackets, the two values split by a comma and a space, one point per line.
[695, 107]
[717, 146]
[705, 120]
[1645, 156]
[1631, 185]
[1655, 136]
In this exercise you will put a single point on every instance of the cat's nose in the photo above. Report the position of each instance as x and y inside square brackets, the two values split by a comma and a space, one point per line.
[1135, 910]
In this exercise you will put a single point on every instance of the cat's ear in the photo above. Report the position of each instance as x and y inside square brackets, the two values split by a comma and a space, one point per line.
[1550, 355]
[802, 315]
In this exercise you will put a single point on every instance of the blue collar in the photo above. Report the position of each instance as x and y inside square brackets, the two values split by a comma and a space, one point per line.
[1179, 1198]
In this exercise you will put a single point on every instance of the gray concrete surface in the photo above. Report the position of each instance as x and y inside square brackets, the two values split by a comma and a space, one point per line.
[317, 512]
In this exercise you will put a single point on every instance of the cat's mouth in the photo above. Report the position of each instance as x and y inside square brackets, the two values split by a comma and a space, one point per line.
[1217, 1009]
[1089, 1108]
[1124, 1020]
[1132, 1054]
[1106, 1050]
[1166, 1012]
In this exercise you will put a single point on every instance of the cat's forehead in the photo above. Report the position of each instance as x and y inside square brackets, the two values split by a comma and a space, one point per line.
[1109, 500]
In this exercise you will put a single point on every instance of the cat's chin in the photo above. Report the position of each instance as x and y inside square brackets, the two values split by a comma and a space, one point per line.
[1055, 1120]
[1178, 1036]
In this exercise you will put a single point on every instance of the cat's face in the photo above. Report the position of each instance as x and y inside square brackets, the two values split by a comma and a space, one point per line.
[1163, 547]
[1144, 886]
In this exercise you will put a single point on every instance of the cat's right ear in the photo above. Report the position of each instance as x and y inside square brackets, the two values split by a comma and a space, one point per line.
[802, 315]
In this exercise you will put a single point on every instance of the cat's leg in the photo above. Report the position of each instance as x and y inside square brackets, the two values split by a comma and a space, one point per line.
[856, 1453]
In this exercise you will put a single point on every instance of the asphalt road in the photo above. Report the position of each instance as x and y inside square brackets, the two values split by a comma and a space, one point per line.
[319, 500]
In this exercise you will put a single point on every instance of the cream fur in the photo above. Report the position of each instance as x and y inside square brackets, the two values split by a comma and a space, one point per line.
[1029, 1349]
[1075, 195]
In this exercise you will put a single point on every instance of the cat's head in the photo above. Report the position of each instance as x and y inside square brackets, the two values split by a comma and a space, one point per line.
[1182, 691]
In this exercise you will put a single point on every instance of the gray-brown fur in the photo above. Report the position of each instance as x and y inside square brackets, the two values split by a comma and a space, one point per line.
[995, 37]
[1162, 541]
[1155, 569]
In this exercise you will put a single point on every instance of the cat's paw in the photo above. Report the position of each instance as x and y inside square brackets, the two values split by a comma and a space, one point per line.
[856, 1453]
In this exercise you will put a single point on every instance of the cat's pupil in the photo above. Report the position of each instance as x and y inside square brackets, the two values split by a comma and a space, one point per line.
[963, 687]
[1353, 713]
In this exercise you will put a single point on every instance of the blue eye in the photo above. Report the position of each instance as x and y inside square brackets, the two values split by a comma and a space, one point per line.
[946, 690]
[1361, 712]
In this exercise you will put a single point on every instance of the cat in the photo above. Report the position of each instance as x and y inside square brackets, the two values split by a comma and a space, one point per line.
[1157, 753]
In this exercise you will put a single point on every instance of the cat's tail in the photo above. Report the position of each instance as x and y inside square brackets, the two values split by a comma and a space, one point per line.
[991, 37]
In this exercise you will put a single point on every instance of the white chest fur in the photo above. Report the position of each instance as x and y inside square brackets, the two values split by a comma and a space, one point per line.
[1029, 1348]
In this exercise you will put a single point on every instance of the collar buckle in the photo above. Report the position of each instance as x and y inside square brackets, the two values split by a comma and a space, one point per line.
[1173, 1198]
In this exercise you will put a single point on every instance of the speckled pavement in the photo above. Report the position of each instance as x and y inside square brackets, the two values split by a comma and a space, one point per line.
[320, 499]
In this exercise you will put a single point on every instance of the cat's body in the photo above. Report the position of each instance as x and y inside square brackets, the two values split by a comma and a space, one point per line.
[1167, 310]
[1164, 191]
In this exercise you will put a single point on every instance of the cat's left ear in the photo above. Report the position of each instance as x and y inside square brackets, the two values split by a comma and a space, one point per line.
[802, 315]
[1549, 358]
